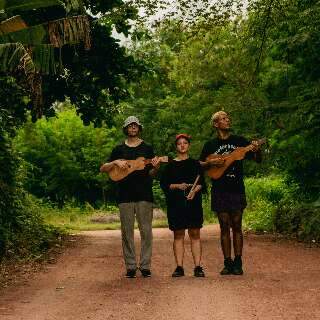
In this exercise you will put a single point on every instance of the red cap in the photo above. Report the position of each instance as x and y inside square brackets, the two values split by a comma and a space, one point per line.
[183, 135]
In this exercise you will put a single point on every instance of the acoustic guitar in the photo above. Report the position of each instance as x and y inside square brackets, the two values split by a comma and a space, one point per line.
[237, 154]
[117, 174]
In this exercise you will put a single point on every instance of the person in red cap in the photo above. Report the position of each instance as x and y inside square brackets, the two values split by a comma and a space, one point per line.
[135, 198]
[184, 206]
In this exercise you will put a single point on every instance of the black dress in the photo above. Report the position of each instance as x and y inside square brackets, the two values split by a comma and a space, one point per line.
[183, 213]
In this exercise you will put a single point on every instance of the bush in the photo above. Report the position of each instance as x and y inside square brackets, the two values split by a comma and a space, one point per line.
[275, 205]
[263, 196]
[62, 159]
[300, 220]
[26, 234]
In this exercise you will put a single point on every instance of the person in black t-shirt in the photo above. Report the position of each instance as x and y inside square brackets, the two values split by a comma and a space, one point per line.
[184, 207]
[134, 196]
[228, 198]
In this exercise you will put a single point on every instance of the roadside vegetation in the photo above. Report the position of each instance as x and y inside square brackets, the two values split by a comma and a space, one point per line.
[61, 115]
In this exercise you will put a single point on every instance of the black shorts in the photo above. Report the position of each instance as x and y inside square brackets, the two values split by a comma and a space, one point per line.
[228, 202]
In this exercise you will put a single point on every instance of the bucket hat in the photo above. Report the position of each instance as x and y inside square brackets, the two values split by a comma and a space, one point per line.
[130, 120]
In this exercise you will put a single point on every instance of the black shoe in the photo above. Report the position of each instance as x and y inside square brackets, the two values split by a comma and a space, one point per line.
[146, 273]
[198, 272]
[237, 266]
[179, 272]
[131, 273]
[228, 267]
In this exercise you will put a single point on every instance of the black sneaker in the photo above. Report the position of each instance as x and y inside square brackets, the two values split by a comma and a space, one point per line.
[131, 273]
[237, 266]
[179, 272]
[198, 272]
[228, 267]
[146, 273]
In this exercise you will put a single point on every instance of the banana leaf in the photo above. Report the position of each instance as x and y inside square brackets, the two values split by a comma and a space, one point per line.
[15, 57]
[70, 31]
[44, 59]
[25, 5]
[60, 32]
[9, 5]
[12, 24]
[17, 60]
[31, 36]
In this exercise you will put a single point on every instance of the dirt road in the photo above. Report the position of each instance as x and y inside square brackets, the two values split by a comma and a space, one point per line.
[281, 281]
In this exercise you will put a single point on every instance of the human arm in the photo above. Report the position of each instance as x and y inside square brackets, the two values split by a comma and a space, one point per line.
[155, 161]
[216, 161]
[106, 167]
[200, 183]
[115, 159]
[257, 154]
[179, 186]
[193, 192]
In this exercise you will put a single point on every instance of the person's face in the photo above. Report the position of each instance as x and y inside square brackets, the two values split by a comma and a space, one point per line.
[133, 130]
[223, 123]
[182, 145]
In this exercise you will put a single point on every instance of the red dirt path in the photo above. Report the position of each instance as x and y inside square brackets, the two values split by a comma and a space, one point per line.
[281, 281]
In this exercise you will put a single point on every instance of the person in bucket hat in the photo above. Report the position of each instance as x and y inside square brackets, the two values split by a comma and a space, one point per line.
[134, 196]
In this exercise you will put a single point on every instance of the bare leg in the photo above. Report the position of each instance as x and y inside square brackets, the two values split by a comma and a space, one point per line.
[237, 242]
[196, 248]
[236, 224]
[225, 224]
[178, 246]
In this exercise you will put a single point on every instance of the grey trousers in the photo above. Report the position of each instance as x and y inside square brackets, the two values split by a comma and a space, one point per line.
[143, 211]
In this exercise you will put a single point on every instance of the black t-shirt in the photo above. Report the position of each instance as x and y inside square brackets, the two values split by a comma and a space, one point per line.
[183, 213]
[179, 172]
[232, 179]
[137, 186]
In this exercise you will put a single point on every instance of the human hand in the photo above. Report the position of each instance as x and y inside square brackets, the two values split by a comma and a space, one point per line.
[216, 162]
[155, 162]
[191, 195]
[183, 186]
[255, 146]
[122, 164]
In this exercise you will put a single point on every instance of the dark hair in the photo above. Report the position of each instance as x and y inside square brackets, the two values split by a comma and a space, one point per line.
[125, 129]
[182, 135]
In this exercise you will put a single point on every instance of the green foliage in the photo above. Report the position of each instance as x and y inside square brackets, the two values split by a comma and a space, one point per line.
[276, 205]
[289, 76]
[299, 219]
[262, 69]
[22, 230]
[63, 158]
[159, 198]
[264, 196]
